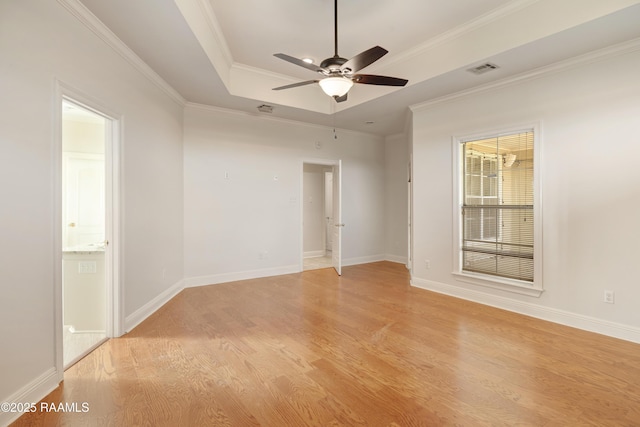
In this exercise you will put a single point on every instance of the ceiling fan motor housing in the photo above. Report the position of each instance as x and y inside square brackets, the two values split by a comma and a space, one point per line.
[333, 64]
[339, 72]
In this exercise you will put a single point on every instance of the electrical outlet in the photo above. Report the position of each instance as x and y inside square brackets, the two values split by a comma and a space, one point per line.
[87, 267]
[609, 297]
[427, 263]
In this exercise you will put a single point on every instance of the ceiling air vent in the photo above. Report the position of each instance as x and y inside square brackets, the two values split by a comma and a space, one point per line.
[483, 68]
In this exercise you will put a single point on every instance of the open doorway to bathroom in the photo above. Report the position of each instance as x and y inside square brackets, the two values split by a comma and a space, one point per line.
[85, 136]
[319, 224]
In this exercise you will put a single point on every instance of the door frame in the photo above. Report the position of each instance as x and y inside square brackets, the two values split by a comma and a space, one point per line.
[328, 229]
[113, 220]
[334, 163]
[336, 240]
[410, 214]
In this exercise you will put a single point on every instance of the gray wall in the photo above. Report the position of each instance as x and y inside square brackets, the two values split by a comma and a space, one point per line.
[590, 145]
[41, 42]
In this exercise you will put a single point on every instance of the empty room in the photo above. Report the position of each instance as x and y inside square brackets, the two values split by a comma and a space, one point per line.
[319, 212]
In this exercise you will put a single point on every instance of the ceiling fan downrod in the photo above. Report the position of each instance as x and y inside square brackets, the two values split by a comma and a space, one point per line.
[333, 64]
[335, 29]
[339, 73]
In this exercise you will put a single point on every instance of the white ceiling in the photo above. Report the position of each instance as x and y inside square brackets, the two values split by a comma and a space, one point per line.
[220, 52]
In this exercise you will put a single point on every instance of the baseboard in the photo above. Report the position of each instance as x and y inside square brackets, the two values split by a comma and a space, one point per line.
[138, 316]
[396, 258]
[33, 392]
[562, 317]
[363, 260]
[88, 331]
[314, 254]
[215, 279]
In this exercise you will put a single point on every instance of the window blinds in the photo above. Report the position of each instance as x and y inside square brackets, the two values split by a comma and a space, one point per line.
[497, 208]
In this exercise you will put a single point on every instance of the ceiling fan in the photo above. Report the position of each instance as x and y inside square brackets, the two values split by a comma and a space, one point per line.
[338, 73]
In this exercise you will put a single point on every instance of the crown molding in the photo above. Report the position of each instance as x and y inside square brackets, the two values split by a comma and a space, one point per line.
[459, 31]
[204, 25]
[578, 61]
[89, 20]
[264, 73]
[216, 31]
[258, 116]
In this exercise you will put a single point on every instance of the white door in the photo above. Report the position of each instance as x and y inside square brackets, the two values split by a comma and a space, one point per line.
[410, 214]
[336, 240]
[83, 192]
[328, 209]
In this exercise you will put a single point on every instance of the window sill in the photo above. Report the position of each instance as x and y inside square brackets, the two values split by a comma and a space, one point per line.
[514, 286]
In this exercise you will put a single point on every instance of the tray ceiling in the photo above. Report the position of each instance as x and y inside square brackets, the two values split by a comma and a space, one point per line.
[220, 53]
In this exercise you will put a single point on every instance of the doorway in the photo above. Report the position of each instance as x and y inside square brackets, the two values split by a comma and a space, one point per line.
[86, 139]
[321, 233]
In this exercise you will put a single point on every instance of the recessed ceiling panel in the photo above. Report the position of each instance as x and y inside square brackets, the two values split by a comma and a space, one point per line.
[256, 29]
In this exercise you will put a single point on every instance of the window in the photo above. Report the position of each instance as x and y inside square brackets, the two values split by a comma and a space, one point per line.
[496, 210]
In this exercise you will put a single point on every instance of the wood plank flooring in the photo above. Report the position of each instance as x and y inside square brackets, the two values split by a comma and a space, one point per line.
[77, 344]
[314, 349]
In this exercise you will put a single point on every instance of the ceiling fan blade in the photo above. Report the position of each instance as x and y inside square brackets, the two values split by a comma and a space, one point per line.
[299, 62]
[308, 82]
[341, 98]
[364, 59]
[370, 79]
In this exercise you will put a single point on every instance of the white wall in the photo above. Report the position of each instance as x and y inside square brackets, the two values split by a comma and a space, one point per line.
[40, 42]
[590, 137]
[83, 136]
[249, 223]
[396, 194]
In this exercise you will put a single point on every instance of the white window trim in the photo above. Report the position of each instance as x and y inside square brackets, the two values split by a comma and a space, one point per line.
[534, 288]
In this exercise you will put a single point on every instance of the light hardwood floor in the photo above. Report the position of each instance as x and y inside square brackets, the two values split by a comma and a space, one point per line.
[362, 349]
[76, 345]
[316, 263]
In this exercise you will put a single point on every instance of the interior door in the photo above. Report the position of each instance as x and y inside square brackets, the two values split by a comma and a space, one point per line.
[336, 243]
[83, 193]
[410, 214]
[328, 209]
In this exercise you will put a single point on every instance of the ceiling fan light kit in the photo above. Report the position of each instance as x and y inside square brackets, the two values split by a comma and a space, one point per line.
[335, 86]
[339, 72]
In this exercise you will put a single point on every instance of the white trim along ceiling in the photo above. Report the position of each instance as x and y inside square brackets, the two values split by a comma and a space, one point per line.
[220, 53]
